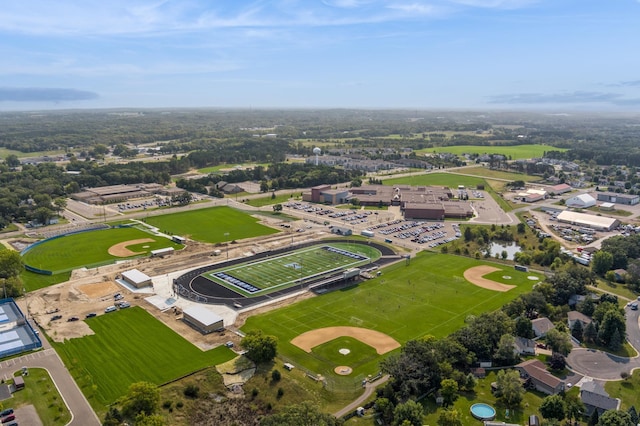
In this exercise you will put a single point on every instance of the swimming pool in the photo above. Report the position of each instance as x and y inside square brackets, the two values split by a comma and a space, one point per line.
[483, 411]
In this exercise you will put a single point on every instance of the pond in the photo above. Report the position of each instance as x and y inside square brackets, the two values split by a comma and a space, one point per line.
[496, 248]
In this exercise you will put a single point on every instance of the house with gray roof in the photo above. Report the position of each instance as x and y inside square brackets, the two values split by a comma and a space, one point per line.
[541, 326]
[594, 397]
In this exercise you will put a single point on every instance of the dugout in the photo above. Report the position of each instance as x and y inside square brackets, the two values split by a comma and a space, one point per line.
[136, 278]
[202, 319]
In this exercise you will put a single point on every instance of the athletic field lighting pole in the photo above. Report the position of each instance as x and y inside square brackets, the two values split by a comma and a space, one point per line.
[226, 234]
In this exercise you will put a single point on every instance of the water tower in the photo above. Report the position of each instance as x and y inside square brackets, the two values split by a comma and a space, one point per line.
[317, 152]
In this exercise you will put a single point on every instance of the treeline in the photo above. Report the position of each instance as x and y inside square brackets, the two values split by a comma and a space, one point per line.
[275, 177]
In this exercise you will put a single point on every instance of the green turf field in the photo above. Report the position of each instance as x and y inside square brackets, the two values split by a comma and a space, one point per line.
[277, 273]
[90, 248]
[212, 225]
[429, 296]
[437, 179]
[516, 152]
[130, 346]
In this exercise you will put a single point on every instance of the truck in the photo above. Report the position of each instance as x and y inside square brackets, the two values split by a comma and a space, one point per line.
[367, 233]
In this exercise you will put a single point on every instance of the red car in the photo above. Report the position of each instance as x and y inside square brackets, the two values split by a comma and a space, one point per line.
[8, 418]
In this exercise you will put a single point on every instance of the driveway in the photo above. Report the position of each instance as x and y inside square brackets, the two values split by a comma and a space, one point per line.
[81, 412]
[602, 365]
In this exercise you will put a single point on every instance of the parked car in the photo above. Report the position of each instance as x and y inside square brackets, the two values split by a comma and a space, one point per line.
[110, 309]
[6, 412]
[123, 305]
[56, 317]
[8, 418]
[91, 315]
[72, 319]
[118, 296]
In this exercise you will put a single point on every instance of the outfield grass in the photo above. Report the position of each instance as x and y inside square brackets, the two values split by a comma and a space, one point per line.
[89, 248]
[212, 225]
[516, 152]
[277, 273]
[430, 296]
[130, 346]
[32, 281]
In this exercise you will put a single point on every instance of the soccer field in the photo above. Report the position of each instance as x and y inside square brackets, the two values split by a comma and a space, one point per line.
[276, 273]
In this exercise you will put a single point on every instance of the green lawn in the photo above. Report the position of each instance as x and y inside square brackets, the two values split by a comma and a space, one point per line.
[498, 174]
[90, 248]
[130, 346]
[437, 179]
[268, 200]
[627, 390]
[283, 271]
[430, 296]
[221, 167]
[41, 392]
[212, 225]
[516, 152]
[32, 281]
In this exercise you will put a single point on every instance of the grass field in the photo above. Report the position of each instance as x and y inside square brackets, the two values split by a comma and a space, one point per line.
[277, 273]
[90, 248]
[226, 167]
[486, 172]
[41, 392]
[430, 296]
[437, 179]
[131, 346]
[516, 152]
[212, 225]
[267, 200]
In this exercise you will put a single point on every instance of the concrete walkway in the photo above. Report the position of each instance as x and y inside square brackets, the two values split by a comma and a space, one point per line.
[368, 390]
[81, 412]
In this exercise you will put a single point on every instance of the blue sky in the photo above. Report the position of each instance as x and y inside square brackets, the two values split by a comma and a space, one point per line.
[442, 54]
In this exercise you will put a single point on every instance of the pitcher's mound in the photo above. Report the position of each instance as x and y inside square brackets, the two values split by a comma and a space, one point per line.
[343, 370]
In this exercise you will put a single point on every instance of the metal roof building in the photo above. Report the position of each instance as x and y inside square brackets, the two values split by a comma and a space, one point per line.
[588, 220]
[202, 319]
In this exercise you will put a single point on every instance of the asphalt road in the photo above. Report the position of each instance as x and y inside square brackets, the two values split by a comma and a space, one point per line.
[602, 365]
[81, 412]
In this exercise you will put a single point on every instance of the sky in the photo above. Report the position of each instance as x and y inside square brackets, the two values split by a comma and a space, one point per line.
[422, 54]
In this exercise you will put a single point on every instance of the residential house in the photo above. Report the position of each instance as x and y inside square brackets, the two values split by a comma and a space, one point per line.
[524, 346]
[594, 397]
[575, 316]
[537, 377]
[541, 326]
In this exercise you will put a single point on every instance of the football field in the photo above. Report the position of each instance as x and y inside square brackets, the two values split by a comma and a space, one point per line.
[279, 272]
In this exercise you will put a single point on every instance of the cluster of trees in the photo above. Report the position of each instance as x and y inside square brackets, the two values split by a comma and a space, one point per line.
[619, 252]
[608, 327]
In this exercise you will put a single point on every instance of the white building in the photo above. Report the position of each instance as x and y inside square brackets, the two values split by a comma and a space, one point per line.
[581, 201]
[591, 221]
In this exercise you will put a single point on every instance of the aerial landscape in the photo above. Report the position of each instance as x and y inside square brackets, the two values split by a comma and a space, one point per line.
[337, 212]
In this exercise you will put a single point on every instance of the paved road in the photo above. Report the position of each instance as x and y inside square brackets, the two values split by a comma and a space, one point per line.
[368, 390]
[602, 365]
[81, 412]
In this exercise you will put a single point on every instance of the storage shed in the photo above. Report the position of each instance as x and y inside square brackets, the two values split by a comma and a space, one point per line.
[136, 278]
[202, 319]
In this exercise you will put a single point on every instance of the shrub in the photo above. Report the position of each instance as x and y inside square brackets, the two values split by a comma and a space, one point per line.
[254, 392]
[179, 404]
[280, 392]
[191, 391]
[276, 376]
[167, 404]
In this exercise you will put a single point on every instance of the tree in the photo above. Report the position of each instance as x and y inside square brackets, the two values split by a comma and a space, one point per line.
[590, 333]
[524, 328]
[277, 208]
[264, 186]
[12, 161]
[505, 354]
[449, 391]
[385, 408]
[586, 306]
[552, 407]
[613, 321]
[633, 414]
[601, 262]
[573, 407]
[593, 419]
[153, 420]
[558, 341]
[410, 411]
[509, 390]
[576, 330]
[260, 347]
[449, 418]
[142, 397]
[557, 361]
[615, 343]
[614, 418]
[303, 414]
[11, 264]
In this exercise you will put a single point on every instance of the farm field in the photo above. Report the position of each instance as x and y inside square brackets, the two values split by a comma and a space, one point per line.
[129, 346]
[277, 273]
[212, 225]
[515, 152]
[90, 248]
[429, 296]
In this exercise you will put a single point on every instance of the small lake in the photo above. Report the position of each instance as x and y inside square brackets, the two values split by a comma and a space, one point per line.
[496, 248]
